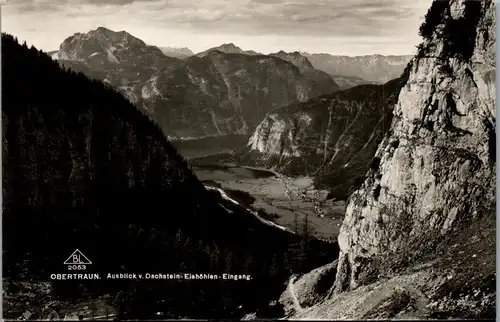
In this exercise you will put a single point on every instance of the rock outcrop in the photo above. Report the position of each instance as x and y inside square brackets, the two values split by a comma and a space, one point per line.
[418, 239]
[437, 166]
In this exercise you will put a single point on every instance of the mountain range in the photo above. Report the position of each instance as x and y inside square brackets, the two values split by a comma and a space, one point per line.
[347, 71]
[219, 93]
[372, 68]
[224, 90]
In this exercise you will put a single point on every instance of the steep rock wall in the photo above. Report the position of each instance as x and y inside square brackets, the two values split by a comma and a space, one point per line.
[418, 239]
[437, 166]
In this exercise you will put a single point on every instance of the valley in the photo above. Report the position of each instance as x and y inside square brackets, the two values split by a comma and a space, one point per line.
[284, 200]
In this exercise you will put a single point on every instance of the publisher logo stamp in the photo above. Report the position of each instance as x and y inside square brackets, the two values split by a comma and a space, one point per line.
[77, 261]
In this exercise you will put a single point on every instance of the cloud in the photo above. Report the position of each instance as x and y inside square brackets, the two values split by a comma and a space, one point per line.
[115, 2]
[290, 17]
[34, 5]
[300, 22]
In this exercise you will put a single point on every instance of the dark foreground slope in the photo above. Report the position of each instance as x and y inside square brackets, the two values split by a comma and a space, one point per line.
[83, 168]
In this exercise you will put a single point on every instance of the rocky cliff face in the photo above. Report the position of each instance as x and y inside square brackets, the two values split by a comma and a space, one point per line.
[215, 94]
[333, 137]
[418, 239]
[372, 68]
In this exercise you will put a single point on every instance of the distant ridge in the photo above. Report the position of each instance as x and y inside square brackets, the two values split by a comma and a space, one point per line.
[216, 94]
[228, 48]
[180, 53]
[372, 68]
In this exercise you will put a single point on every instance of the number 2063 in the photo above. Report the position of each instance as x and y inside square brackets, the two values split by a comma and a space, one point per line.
[77, 267]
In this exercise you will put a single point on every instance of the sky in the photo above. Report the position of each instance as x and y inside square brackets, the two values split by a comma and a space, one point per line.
[338, 27]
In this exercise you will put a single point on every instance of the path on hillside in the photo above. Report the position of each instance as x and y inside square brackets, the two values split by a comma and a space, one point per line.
[256, 214]
[264, 221]
[101, 317]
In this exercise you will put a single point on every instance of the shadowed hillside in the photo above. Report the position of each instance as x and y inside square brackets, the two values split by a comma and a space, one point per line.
[83, 168]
